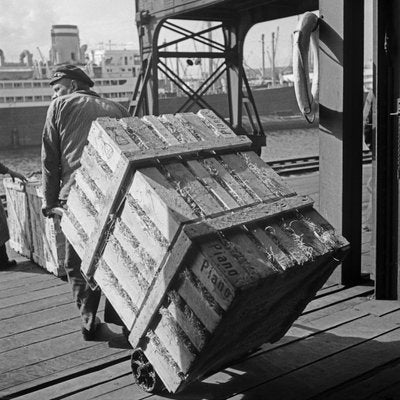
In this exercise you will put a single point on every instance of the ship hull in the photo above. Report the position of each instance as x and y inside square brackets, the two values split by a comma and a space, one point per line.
[22, 126]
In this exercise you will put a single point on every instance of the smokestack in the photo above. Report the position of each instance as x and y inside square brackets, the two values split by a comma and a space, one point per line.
[65, 45]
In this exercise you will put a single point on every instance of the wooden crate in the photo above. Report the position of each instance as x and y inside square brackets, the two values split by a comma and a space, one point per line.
[18, 217]
[199, 245]
[48, 241]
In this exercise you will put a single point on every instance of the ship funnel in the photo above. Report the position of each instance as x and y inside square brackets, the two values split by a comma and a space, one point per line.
[65, 46]
[29, 58]
[1, 58]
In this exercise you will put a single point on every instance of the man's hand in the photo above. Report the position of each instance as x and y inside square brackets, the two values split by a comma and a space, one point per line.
[53, 211]
[15, 174]
[48, 212]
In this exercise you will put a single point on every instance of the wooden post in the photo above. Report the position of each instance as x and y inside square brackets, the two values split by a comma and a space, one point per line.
[234, 79]
[341, 102]
[386, 164]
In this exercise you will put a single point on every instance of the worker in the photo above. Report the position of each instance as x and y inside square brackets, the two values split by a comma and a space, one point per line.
[5, 262]
[368, 134]
[69, 117]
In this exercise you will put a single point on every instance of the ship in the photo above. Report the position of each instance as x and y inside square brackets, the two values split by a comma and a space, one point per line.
[25, 93]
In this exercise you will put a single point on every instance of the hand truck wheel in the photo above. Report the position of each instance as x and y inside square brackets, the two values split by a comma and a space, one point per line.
[144, 374]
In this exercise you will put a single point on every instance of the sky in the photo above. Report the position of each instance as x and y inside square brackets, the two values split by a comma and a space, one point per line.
[26, 25]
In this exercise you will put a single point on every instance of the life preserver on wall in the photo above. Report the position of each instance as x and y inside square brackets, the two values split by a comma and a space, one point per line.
[304, 37]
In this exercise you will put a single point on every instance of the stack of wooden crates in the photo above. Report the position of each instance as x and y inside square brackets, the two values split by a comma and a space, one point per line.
[31, 234]
[202, 249]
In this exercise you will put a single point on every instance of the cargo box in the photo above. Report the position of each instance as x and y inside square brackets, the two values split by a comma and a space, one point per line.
[31, 234]
[200, 246]
[18, 217]
[48, 241]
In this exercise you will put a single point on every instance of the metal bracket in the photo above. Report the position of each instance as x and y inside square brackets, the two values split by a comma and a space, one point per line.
[397, 113]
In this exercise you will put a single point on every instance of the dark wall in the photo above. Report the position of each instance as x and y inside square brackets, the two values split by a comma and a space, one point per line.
[28, 123]
[268, 101]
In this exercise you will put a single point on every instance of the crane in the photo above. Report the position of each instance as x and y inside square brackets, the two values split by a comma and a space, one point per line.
[40, 54]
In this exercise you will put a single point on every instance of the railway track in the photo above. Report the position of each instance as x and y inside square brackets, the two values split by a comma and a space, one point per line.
[293, 166]
[290, 166]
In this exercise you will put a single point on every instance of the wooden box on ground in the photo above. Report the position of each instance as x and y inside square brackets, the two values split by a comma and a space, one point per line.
[18, 217]
[199, 245]
[48, 241]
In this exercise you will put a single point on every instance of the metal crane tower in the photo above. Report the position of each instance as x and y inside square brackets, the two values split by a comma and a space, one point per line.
[233, 19]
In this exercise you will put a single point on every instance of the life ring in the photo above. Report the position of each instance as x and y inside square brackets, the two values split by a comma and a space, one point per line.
[306, 35]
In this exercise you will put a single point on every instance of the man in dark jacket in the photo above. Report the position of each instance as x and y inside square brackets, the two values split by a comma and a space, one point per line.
[70, 115]
[4, 233]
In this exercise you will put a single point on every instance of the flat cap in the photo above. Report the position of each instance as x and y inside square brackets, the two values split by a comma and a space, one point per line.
[70, 72]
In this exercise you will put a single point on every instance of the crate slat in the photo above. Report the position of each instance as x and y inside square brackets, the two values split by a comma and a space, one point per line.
[147, 157]
[252, 181]
[198, 299]
[160, 129]
[127, 274]
[142, 234]
[270, 178]
[141, 134]
[173, 338]
[138, 254]
[194, 193]
[244, 215]
[167, 369]
[219, 127]
[225, 178]
[194, 124]
[174, 125]
[119, 299]
[219, 192]
[187, 320]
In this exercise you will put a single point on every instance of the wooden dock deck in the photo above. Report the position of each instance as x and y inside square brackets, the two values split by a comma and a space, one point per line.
[345, 345]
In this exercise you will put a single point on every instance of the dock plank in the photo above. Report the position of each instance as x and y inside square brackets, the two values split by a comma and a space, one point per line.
[30, 286]
[87, 385]
[9, 281]
[33, 306]
[32, 296]
[390, 393]
[347, 351]
[25, 380]
[369, 386]
[339, 325]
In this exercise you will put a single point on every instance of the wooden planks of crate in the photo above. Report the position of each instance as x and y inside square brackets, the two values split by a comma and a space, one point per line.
[48, 241]
[199, 245]
[18, 217]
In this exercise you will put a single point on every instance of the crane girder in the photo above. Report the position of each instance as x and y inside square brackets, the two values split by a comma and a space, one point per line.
[234, 18]
[262, 10]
